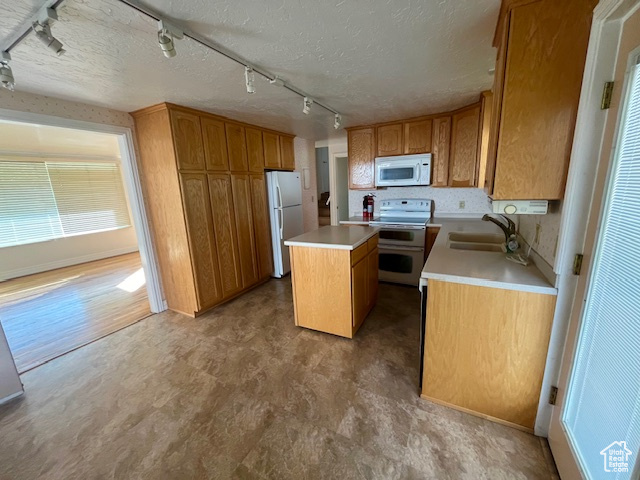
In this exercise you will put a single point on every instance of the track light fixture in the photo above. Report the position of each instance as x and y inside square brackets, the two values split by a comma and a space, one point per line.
[277, 81]
[6, 75]
[307, 105]
[249, 77]
[43, 32]
[166, 34]
[42, 29]
[337, 121]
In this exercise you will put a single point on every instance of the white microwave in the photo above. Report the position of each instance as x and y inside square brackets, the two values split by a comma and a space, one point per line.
[403, 170]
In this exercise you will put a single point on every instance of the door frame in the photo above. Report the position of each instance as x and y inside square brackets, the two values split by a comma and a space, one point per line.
[333, 186]
[579, 208]
[133, 190]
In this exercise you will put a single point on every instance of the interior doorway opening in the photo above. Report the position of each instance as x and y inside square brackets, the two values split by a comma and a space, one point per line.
[76, 260]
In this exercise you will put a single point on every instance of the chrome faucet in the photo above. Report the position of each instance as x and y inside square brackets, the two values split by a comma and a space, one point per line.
[509, 230]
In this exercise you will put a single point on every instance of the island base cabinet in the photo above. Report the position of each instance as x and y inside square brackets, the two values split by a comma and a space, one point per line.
[334, 290]
[486, 349]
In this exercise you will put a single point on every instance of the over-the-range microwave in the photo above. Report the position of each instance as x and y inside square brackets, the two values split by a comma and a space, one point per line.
[403, 170]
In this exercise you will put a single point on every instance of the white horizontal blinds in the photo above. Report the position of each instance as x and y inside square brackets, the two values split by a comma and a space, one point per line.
[28, 210]
[603, 404]
[90, 196]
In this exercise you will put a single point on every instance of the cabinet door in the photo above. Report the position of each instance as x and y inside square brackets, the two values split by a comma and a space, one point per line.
[440, 156]
[204, 258]
[417, 136]
[372, 278]
[362, 147]
[224, 226]
[390, 140]
[261, 225]
[465, 128]
[360, 286]
[187, 139]
[215, 144]
[287, 153]
[272, 157]
[237, 148]
[255, 150]
[241, 186]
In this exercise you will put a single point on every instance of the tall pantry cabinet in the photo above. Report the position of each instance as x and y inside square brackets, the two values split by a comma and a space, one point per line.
[204, 186]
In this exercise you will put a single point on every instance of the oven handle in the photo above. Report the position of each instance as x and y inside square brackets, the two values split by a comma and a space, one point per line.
[396, 248]
[390, 226]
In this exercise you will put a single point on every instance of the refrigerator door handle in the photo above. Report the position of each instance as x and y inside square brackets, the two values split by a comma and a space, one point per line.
[281, 222]
[279, 196]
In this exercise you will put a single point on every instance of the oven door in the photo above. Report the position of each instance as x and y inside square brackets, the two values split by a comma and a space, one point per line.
[400, 264]
[397, 174]
[402, 235]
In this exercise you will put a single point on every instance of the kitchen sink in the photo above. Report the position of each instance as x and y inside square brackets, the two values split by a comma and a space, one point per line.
[476, 237]
[480, 247]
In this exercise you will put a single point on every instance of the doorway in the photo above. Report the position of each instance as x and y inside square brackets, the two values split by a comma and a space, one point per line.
[595, 426]
[77, 257]
[339, 186]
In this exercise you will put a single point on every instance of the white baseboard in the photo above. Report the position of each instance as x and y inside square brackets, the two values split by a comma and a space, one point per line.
[67, 262]
[11, 397]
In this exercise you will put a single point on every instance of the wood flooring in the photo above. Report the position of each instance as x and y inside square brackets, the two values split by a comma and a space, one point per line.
[51, 313]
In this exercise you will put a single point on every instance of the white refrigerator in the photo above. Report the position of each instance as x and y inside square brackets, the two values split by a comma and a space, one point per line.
[285, 212]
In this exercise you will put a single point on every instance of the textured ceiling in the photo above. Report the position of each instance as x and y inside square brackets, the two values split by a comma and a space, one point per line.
[372, 60]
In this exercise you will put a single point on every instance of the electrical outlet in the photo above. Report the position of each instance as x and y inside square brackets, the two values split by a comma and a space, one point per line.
[538, 230]
[461, 205]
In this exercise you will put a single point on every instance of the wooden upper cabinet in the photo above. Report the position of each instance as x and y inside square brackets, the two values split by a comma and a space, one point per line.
[440, 151]
[417, 136]
[390, 140]
[197, 210]
[465, 128]
[288, 160]
[261, 225]
[255, 150]
[224, 226]
[271, 143]
[187, 140]
[241, 187]
[236, 147]
[362, 153]
[486, 111]
[539, 94]
[215, 144]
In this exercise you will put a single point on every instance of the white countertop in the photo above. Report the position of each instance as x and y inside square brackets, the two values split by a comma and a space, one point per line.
[358, 220]
[485, 269]
[338, 237]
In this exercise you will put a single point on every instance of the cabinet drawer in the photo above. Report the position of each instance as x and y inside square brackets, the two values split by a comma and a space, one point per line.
[359, 253]
[372, 243]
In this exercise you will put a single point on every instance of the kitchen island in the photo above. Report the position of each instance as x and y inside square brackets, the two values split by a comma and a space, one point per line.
[334, 274]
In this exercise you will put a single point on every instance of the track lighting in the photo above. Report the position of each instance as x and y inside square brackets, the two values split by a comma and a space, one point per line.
[6, 75]
[307, 105]
[277, 81]
[43, 32]
[337, 121]
[249, 78]
[166, 34]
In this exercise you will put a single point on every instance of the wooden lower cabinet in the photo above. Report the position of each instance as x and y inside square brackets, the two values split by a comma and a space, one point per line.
[195, 194]
[430, 239]
[486, 350]
[261, 225]
[348, 278]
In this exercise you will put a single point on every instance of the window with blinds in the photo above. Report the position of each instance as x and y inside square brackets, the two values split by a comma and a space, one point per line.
[602, 413]
[42, 201]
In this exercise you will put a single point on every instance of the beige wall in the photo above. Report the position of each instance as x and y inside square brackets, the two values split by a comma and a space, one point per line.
[549, 231]
[305, 153]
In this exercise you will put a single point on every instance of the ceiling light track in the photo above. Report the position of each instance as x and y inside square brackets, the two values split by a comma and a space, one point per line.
[149, 12]
[27, 27]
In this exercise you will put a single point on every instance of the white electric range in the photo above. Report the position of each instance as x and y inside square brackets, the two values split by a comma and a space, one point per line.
[403, 225]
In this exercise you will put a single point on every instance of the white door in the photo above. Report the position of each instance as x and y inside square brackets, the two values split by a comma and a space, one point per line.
[595, 430]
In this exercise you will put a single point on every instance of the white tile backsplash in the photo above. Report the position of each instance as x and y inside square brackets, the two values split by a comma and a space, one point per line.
[446, 200]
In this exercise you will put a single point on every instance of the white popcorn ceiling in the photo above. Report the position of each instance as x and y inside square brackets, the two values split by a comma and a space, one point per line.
[372, 60]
